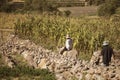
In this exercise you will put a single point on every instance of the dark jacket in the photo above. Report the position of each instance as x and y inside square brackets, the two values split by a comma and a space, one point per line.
[107, 53]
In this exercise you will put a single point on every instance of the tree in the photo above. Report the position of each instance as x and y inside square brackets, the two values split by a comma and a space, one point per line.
[4, 6]
[41, 5]
[28, 5]
[115, 3]
[106, 10]
[95, 2]
[2, 2]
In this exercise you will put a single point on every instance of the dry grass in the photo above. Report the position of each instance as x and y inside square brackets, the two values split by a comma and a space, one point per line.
[17, 0]
[7, 20]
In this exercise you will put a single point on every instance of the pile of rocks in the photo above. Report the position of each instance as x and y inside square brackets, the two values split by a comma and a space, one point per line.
[65, 67]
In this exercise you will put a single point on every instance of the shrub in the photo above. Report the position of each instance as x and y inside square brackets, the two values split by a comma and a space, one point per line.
[115, 3]
[106, 10]
[40, 5]
[6, 8]
[67, 13]
[52, 7]
[95, 2]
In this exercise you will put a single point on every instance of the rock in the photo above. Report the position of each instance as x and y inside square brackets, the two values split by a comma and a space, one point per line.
[10, 62]
[60, 77]
[91, 71]
[86, 68]
[112, 75]
[72, 53]
[106, 76]
[42, 64]
[74, 69]
[113, 71]
[97, 71]
[117, 76]
[59, 71]
[106, 69]
[30, 61]
[79, 76]
[67, 75]
[88, 77]
[96, 58]
[97, 77]
[52, 66]
[25, 54]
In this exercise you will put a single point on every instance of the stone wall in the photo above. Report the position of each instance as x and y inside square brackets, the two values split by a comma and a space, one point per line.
[65, 67]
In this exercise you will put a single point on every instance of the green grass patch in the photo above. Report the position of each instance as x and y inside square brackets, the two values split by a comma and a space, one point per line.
[26, 72]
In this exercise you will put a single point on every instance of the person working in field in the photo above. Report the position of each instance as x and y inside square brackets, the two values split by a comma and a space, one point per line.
[107, 53]
[68, 44]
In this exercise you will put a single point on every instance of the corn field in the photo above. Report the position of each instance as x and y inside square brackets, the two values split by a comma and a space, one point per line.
[87, 34]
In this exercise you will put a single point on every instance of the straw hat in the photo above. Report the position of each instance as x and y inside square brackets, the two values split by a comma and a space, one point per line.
[105, 43]
[67, 36]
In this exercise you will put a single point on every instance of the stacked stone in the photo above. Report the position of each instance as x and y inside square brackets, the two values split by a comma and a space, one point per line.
[65, 67]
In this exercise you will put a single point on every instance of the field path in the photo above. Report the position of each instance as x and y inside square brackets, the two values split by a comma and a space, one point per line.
[77, 11]
[7, 30]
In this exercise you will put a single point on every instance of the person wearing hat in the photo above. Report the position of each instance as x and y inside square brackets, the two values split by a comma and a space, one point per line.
[106, 53]
[68, 44]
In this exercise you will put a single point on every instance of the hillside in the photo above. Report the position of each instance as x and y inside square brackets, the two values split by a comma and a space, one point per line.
[64, 67]
[33, 44]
